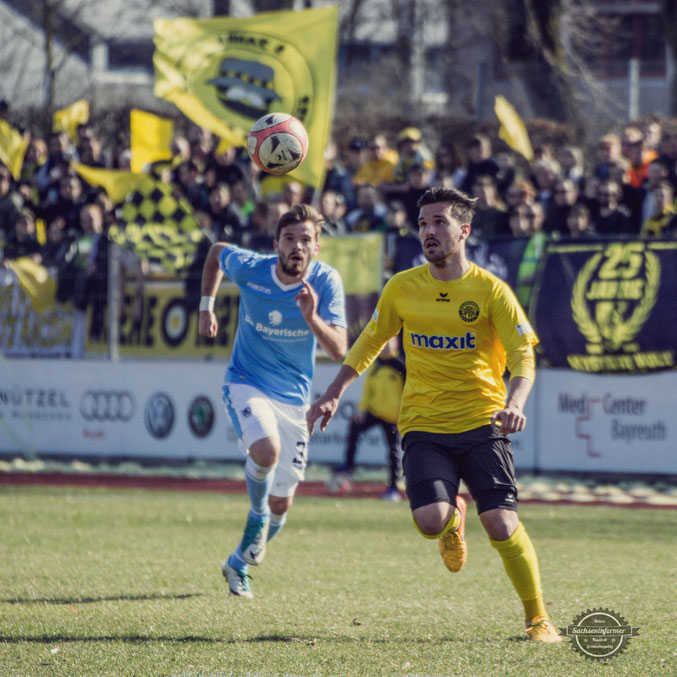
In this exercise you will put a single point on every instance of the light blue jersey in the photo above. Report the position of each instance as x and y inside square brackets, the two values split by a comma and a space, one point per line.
[274, 348]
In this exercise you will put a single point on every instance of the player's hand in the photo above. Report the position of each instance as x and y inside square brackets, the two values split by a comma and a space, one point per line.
[208, 324]
[307, 301]
[323, 408]
[511, 419]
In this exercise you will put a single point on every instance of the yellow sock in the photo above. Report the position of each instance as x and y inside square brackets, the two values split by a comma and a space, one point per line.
[453, 524]
[521, 565]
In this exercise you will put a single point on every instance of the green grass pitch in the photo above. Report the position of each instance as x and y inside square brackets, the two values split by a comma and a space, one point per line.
[126, 582]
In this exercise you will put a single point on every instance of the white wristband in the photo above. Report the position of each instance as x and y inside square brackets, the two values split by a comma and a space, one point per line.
[207, 303]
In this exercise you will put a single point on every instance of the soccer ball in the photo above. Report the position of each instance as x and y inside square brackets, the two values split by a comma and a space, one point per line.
[277, 143]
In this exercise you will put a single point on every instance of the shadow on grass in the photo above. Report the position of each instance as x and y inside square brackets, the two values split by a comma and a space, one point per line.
[94, 600]
[143, 639]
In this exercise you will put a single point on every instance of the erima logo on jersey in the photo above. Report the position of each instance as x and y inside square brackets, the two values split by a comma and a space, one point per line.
[258, 287]
[466, 342]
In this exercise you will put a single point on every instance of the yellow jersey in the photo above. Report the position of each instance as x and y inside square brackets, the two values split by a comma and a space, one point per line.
[456, 337]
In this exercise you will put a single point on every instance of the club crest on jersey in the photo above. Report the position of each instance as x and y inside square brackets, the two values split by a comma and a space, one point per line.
[466, 342]
[469, 311]
[275, 317]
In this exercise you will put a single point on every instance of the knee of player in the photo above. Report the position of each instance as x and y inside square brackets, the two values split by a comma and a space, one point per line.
[279, 505]
[430, 520]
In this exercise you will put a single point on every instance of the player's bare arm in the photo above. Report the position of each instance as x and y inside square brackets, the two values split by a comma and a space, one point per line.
[211, 279]
[511, 417]
[326, 405]
[332, 339]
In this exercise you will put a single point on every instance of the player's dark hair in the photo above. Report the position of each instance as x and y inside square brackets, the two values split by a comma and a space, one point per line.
[298, 214]
[461, 206]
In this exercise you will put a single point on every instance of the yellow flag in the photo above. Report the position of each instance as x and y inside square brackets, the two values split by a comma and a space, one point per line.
[35, 281]
[116, 182]
[226, 73]
[68, 119]
[513, 130]
[12, 148]
[151, 139]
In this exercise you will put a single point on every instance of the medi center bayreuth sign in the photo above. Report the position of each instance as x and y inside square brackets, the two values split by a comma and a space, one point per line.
[608, 306]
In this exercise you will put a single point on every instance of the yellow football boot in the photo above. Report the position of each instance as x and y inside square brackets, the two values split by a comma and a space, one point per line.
[452, 544]
[543, 630]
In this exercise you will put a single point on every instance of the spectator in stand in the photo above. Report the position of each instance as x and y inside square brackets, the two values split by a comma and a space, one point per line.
[571, 164]
[632, 148]
[260, 233]
[11, 203]
[411, 152]
[545, 173]
[180, 148]
[49, 175]
[223, 219]
[370, 212]
[507, 172]
[337, 179]
[91, 280]
[191, 187]
[418, 181]
[527, 221]
[478, 162]
[612, 217]
[240, 201]
[89, 148]
[61, 246]
[652, 132]
[489, 219]
[656, 173]
[68, 202]
[579, 223]
[669, 153]
[520, 192]
[35, 157]
[292, 194]
[663, 221]
[22, 241]
[608, 152]
[225, 167]
[354, 159]
[565, 195]
[380, 165]
[333, 209]
[201, 146]
[447, 163]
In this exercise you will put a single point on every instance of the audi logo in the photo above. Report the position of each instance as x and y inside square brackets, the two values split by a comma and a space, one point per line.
[107, 405]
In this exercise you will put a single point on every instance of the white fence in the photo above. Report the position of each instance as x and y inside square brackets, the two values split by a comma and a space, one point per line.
[172, 411]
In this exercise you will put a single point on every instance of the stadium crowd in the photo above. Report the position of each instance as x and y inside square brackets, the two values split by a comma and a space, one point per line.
[625, 187]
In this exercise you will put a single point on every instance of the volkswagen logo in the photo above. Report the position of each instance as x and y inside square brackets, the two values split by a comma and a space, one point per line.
[159, 415]
[107, 405]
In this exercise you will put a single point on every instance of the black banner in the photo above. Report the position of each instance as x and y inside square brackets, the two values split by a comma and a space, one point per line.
[607, 306]
[501, 256]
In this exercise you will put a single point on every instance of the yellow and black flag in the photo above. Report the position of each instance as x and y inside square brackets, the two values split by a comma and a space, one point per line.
[154, 223]
[225, 73]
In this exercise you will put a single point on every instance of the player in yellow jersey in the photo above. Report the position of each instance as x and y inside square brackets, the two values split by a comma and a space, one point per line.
[461, 327]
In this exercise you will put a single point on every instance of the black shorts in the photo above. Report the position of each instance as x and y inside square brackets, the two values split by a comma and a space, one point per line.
[435, 463]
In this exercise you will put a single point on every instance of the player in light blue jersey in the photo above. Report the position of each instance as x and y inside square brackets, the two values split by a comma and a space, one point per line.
[288, 304]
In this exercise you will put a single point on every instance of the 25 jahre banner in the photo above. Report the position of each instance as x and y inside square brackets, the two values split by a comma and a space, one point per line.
[608, 306]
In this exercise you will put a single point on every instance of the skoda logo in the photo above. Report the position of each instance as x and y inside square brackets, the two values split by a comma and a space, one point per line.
[201, 416]
[159, 415]
[107, 405]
